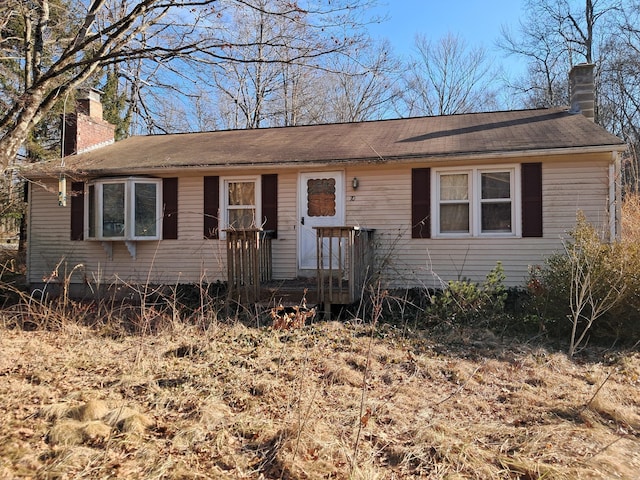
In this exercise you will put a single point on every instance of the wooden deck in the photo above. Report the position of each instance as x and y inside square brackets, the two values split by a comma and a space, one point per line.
[248, 263]
[345, 263]
[344, 268]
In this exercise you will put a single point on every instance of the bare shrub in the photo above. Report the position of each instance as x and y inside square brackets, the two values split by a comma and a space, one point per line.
[580, 287]
[287, 318]
[630, 218]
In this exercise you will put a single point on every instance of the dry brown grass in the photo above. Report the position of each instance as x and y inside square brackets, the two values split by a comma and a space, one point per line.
[236, 402]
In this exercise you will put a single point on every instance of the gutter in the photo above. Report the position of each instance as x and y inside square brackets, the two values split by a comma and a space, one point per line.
[331, 163]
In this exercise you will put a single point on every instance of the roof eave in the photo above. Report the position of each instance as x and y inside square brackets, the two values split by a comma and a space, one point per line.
[315, 163]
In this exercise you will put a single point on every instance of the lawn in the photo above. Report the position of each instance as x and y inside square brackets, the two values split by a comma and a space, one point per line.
[340, 400]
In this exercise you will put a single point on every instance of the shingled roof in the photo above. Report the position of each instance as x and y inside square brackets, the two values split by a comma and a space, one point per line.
[478, 135]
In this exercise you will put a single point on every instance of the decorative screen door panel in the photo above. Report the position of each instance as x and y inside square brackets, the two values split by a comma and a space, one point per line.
[321, 204]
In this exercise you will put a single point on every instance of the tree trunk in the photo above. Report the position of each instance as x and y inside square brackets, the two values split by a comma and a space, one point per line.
[11, 143]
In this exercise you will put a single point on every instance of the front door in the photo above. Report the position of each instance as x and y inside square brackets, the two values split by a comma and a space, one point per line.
[321, 201]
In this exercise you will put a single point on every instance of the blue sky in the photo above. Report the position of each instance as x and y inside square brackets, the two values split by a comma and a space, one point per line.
[477, 22]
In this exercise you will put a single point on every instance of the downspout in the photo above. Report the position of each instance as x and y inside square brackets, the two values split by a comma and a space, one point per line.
[615, 198]
[29, 233]
[62, 180]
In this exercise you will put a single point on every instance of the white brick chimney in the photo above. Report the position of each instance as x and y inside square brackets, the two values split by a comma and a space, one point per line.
[582, 90]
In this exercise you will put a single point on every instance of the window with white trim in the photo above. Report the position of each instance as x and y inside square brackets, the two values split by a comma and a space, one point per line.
[240, 206]
[124, 209]
[476, 201]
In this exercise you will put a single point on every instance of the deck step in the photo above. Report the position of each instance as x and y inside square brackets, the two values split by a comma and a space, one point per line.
[289, 295]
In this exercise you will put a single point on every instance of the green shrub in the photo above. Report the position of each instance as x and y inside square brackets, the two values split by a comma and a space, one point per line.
[464, 301]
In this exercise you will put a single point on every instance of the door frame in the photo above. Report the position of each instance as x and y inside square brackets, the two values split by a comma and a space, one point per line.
[338, 220]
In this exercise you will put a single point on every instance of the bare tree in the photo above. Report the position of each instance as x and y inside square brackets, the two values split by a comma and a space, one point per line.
[554, 36]
[299, 100]
[248, 86]
[557, 34]
[619, 90]
[294, 91]
[155, 32]
[447, 77]
[576, 26]
[362, 86]
[54, 64]
[544, 84]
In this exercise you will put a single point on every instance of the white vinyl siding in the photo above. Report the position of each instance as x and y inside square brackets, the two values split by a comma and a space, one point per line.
[382, 201]
[285, 247]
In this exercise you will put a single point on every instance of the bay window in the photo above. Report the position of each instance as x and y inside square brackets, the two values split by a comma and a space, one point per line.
[124, 209]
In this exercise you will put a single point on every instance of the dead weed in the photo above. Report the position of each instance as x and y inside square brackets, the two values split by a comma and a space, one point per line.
[237, 402]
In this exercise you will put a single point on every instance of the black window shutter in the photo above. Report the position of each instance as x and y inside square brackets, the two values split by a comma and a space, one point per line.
[532, 199]
[270, 203]
[421, 203]
[211, 205]
[170, 208]
[77, 211]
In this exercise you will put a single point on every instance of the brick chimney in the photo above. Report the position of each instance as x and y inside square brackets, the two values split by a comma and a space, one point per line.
[582, 90]
[86, 130]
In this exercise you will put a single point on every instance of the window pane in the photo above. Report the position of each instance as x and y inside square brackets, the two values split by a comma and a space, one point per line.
[92, 211]
[321, 197]
[496, 217]
[454, 218]
[496, 185]
[242, 193]
[145, 210]
[454, 187]
[241, 218]
[113, 210]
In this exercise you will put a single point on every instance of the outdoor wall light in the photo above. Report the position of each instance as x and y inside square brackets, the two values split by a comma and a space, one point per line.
[355, 183]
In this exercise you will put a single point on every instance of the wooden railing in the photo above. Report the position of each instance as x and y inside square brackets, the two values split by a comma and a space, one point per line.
[248, 263]
[345, 263]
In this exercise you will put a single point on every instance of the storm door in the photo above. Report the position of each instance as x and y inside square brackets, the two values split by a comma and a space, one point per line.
[321, 204]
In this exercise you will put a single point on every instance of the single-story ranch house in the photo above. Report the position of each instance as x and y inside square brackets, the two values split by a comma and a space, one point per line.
[426, 199]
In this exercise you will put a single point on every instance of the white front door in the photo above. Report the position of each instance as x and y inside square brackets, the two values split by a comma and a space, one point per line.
[321, 200]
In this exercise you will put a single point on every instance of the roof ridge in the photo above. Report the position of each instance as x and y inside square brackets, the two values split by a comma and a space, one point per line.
[361, 122]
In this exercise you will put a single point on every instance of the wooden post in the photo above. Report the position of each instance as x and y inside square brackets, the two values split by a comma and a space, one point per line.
[247, 264]
[341, 279]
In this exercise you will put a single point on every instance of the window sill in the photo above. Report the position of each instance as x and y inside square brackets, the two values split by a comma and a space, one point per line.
[483, 236]
[122, 239]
